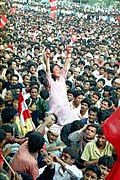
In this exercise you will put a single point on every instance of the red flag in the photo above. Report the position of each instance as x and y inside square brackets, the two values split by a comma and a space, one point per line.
[3, 21]
[13, 10]
[23, 110]
[1, 159]
[111, 128]
[52, 15]
[74, 38]
[53, 5]
[34, 35]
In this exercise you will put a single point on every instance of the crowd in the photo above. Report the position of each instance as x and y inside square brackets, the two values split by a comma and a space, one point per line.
[67, 68]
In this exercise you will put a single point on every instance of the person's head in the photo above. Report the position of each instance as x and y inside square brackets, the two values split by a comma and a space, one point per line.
[110, 74]
[86, 85]
[68, 84]
[95, 97]
[55, 70]
[70, 93]
[79, 80]
[118, 92]
[105, 104]
[8, 115]
[101, 140]
[35, 142]
[69, 155]
[26, 79]
[44, 94]
[100, 83]
[92, 172]
[10, 96]
[92, 114]
[34, 92]
[107, 89]
[78, 96]
[14, 78]
[105, 164]
[2, 138]
[53, 118]
[53, 133]
[8, 73]
[91, 131]
[85, 104]
[103, 115]
[9, 131]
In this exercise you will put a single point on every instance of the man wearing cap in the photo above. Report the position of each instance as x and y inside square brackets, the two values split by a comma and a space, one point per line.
[53, 141]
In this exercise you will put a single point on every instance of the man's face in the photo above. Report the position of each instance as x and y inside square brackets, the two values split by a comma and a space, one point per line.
[101, 140]
[70, 97]
[27, 80]
[66, 158]
[104, 171]
[90, 175]
[84, 106]
[92, 116]
[104, 105]
[94, 98]
[90, 132]
[78, 99]
[14, 80]
[86, 85]
[52, 137]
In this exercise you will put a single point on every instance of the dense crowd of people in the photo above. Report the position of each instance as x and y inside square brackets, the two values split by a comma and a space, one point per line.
[67, 67]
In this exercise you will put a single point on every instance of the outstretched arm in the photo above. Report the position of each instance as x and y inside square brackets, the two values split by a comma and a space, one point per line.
[67, 61]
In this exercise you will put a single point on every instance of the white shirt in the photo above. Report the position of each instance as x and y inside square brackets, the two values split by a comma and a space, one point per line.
[70, 173]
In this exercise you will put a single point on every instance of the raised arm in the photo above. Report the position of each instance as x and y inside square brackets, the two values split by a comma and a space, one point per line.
[68, 58]
[47, 61]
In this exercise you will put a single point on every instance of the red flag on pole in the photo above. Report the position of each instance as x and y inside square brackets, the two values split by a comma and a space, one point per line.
[111, 128]
[23, 110]
[53, 5]
[3, 21]
[34, 35]
[13, 10]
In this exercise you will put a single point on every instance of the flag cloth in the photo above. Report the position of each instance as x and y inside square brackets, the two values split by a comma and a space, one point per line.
[1, 159]
[111, 128]
[13, 10]
[3, 21]
[74, 38]
[24, 121]
[52, 15]
[34, 35]
[53, 5]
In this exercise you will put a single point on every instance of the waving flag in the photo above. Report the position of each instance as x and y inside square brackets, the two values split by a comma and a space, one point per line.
[111, 128]
[3, 21]
[53, 5]
[25, 123]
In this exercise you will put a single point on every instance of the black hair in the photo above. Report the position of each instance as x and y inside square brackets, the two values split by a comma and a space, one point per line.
[98, 94]
[3, 83]
[69, 83]
[107, 88]
[80, 78]
[44, 94]
[9, 71]
[71, 151]
[101, 79]
[87, 101]
[103, 115]
[100, 130]
[33, 83]
[93, 125]
[107, 161]
[94, 168]
[94, 109]
[70, 91]
[35, 142]
[7, 114]
[93, 83]
[7, 128]
[2, 135]
[78, 93]
[14, 75]
[108, 101]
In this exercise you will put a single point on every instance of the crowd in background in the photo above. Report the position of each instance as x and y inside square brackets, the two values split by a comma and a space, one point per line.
[67, 66]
